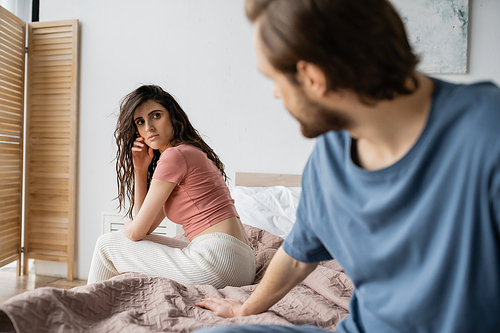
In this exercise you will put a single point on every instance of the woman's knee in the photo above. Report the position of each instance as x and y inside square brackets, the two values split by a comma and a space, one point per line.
[109, 239]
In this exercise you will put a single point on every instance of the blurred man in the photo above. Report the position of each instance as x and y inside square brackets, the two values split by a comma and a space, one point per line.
[403, 186]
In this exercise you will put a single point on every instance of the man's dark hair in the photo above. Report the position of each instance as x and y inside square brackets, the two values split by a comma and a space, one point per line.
[360, 45]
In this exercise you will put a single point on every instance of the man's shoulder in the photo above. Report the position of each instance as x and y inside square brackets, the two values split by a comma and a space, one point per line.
[473, 108]
[483, 96]
[484, 88]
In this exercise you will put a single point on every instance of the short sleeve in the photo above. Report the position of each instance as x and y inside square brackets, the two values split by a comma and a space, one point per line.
[495, 197]
[171, 167]
[302, 244]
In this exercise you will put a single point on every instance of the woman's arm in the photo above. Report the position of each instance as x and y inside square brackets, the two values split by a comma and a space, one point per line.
[147, 217]
[140, 190]
[157, 222]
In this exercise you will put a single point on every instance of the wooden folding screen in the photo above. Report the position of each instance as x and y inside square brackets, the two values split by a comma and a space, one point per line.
[51, 121]
[51, 136]
[12, 50]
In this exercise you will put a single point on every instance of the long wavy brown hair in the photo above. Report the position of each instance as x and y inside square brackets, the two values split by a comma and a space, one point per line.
[126, 133]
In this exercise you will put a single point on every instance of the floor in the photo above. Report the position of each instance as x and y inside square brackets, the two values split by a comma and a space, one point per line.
[12, 285]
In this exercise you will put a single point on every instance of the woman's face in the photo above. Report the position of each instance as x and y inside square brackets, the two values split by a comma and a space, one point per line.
[154, 125]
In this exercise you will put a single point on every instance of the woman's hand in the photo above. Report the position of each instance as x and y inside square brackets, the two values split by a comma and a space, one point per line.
[223, 307]
[142, 155]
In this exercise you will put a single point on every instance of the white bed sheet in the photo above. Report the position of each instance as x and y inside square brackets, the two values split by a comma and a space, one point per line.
[270, 208]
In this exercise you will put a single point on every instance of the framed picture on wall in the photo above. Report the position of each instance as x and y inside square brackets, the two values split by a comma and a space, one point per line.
[438, 33]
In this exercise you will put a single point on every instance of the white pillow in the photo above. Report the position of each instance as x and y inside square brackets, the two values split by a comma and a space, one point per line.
[270, 208]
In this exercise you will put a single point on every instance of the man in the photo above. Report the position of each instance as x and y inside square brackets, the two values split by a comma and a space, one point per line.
[403, 186]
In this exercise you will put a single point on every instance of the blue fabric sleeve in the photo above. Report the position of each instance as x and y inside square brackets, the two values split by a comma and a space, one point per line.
[302, 244]
[495, 196]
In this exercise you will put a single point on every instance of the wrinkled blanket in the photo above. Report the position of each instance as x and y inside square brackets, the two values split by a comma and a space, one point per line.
[136, 303]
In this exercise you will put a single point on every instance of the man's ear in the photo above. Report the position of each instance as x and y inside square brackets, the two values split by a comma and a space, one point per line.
[312, 78]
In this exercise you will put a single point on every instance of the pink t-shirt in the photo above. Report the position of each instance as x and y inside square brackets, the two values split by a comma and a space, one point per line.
[201, 197]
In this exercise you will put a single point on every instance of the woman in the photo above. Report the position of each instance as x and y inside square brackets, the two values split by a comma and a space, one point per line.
[165, 168]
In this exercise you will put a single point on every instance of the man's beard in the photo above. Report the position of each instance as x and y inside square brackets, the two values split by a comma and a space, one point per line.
[320, 119]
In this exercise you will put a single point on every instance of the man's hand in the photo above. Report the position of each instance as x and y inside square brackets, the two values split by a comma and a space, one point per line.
[282, 274]
[223, 307]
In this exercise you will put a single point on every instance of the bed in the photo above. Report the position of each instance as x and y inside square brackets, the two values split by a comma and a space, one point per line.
[136, 303]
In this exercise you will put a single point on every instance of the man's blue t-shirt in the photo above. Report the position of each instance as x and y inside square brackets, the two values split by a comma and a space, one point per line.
[420, 239]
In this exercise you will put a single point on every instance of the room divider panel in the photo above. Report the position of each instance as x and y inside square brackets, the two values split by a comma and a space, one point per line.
[51, 139]
[12, 64]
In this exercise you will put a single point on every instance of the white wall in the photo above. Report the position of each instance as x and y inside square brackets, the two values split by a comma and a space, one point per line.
[201, 52]
[20, 8]
[198, 50]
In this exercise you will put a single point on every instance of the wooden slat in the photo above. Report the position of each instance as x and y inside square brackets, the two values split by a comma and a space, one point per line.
[54, 30]
[9, 245]
[36, 136]
[50, 225]
[45, 62]
[11, 105]
[10, 39]
[15, 48]
[47, 170]
[13, 20]
[36, 118]
[49, 80]
[56, 85]
[49, 231]
[11, 114]
[44, 247]
[12, 72]
[8, 91]
[42, 256]
[51, 110]
[8, 167]
[13, 175]
[10, 83]
[54, 92]
[49, 166]
[9, 154]
[48, 70]
[54, 99]
[6, 191]
[11, 59]
[56, 52]
[12, 98]
[9, 127]
[43, 75]
[51, 141]
[12, 25]
[11, 141]
[8, 258]
[39, 34]
[9, 233]
[10, 224]
[51, 41]
[8, 215]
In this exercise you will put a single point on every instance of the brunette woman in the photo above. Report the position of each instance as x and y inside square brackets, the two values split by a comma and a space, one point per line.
[165, 168]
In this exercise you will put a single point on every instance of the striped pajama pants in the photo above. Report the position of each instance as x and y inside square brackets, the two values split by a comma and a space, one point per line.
[215, 259]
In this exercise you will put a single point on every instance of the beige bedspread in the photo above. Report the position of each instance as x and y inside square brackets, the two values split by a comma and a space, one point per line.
[137, 303]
